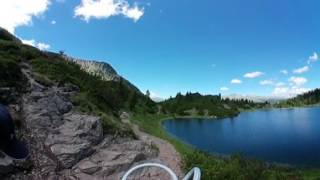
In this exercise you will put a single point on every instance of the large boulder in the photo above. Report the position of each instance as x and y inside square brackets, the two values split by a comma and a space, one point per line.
[112, 160]
[74, 139]
[6, 164]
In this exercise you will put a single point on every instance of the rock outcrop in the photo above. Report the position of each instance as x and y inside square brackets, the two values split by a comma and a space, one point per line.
[101, 69]
[74, 139]
[112, 160]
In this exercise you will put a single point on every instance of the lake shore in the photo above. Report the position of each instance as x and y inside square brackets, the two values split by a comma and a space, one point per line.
[152, 124]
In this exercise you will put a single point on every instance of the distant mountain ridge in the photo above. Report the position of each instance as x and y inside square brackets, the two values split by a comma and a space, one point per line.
[254, 98]
[101, 69]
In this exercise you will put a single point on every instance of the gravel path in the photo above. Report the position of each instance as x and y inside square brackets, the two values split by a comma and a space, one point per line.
[167, 153]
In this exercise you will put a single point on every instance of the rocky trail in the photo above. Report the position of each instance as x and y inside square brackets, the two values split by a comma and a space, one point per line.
[68, 145]
[167, 155]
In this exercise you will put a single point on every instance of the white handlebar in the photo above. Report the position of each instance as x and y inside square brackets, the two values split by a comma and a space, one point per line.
[195, 171]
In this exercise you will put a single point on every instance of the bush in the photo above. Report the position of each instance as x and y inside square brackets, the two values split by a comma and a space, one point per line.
[114, 127]
[10, 73]
[235, 167]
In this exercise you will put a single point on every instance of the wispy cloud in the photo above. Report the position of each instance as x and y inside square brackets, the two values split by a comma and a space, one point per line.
[100, 9]
[301, 70]
[252, 75]
[15, 13]
[224, 89]
[266, 82]
[284, 71]
[313, 58]
[235, 81]
[288, 92]
[297, 81]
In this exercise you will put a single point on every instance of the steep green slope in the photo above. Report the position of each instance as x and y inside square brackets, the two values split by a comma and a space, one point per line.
[5, 35]
[307, 99]
[12, 52]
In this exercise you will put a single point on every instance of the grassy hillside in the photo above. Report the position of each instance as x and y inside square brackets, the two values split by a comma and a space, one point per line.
[5, 35]
[307, 99]
[104, 98]
[12, 52]
[195, 104]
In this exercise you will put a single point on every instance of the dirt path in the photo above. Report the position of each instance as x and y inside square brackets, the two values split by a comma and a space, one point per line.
[167, 153]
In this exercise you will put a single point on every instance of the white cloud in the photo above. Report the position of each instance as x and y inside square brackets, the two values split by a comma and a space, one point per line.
[100, 9]
[288, 92]
[236, 81]
[253, 74]
[285, 72]
[30, 42]
[53, 22]
[15, 13]
[295, 88]
[298, 90]
[280, 91]
[313, 58]
[134, 13]
[266, 82]
[297, 81]
[301, 70]
[39, 45]
[43, 46]
[224, 89]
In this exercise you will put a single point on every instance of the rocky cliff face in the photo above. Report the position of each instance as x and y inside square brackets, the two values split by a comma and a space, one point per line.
[101, 69]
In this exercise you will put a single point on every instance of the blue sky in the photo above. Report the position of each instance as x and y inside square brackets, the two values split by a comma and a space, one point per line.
[170, 46]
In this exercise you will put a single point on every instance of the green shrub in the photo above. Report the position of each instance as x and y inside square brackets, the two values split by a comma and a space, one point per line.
[235, 167]
[41, 79]
[114, 127]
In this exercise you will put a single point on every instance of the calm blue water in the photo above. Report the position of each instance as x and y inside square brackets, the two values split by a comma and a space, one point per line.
[290, 136]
